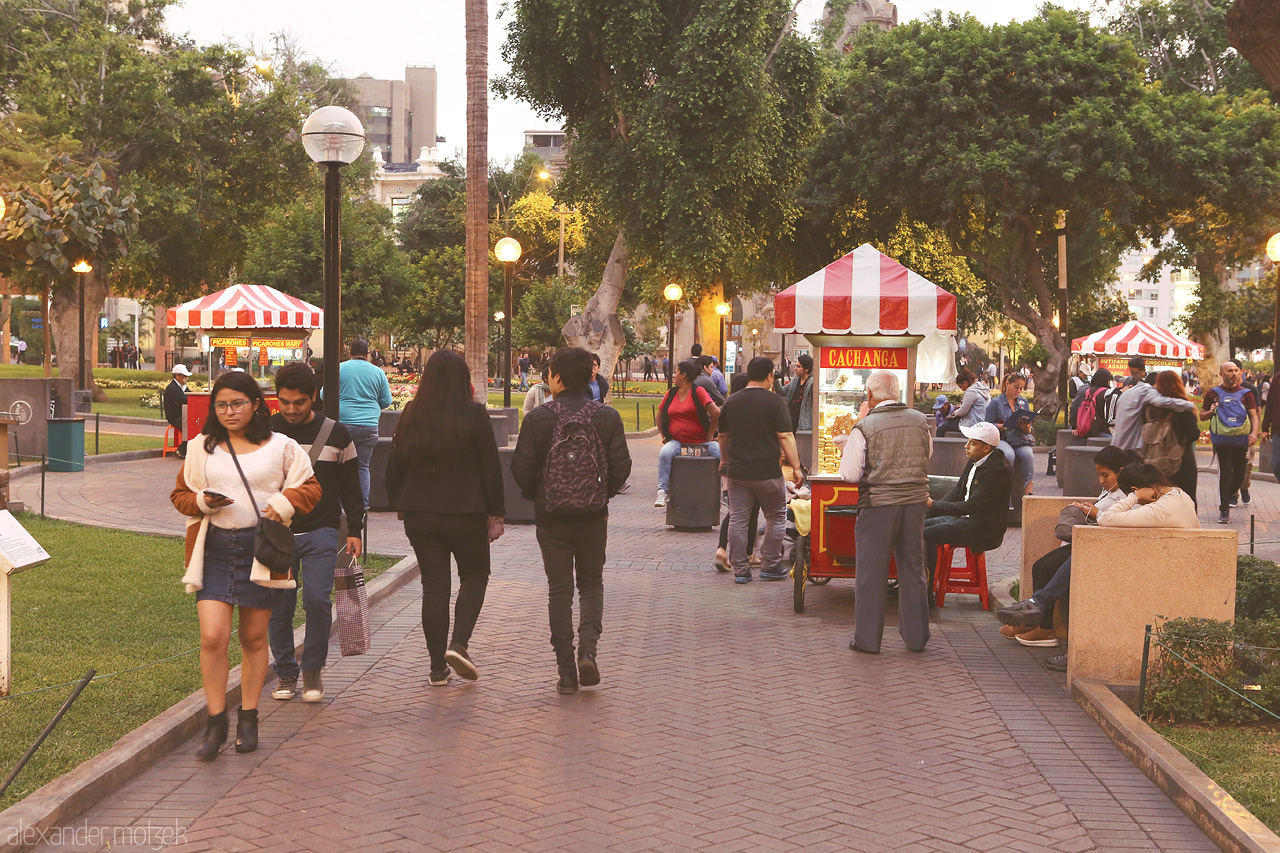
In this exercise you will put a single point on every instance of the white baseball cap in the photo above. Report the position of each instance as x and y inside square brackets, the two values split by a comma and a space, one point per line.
[181, 369]
[984, 432]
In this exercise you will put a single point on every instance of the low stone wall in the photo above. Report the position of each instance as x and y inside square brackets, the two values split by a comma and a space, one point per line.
[1039, 520]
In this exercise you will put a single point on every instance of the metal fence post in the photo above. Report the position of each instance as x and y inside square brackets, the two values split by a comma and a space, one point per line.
[1142, 677]
[97, 421]
[44, 467]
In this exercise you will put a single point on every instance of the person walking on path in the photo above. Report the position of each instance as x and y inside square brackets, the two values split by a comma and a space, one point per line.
[755, 432]
[363, 392]
[799, 394]
[1232, 414]
[444, 478]
[704, 365]
[175, 397]
[333, 458]
[538, 394]
[887, 455]
[571, 457]
[269, 474]
[687, 417]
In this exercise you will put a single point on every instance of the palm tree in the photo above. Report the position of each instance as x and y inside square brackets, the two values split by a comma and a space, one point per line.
[476, 324]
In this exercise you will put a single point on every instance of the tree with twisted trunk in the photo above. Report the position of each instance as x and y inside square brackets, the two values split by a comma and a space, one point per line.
[1254, 29]
[476, 315]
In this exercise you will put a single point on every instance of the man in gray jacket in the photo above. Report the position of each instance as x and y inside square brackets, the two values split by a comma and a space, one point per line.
[887, 455]
[1130, 409]
[799, 394]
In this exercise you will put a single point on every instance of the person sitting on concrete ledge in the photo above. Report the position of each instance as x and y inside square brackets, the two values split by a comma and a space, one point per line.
[973, 406]
[1150, 501]
[975, 513]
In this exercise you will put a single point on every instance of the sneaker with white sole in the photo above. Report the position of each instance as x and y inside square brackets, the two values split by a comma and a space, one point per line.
[286, 689]
[458, 658]
[661, 499]
[312, 687]
[1038, 637]
[441, 678]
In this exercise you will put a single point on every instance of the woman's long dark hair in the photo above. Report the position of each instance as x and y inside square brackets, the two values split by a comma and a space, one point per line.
[1141, 476]
[434, 424]
[259, 429]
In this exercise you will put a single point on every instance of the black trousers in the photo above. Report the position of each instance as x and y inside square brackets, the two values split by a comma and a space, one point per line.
[752, 529]
[1042, 573]
[1231, 468]
[944, 530]
[574, 552]
[435, 537]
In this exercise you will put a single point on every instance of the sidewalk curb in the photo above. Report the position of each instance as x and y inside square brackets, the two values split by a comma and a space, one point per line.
[74, 792]
[1227, 823]
[649, 433]
[126, 419]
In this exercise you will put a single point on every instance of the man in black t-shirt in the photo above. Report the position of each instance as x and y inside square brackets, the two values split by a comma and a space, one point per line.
[755, 431]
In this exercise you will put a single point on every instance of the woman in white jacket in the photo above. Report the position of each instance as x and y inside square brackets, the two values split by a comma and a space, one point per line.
[1150, 501]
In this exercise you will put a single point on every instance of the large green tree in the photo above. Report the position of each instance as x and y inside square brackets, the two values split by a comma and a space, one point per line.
[688, 122]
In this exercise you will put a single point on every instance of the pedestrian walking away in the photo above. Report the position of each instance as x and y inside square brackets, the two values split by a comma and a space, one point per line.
[887, 455]
[1232, 414]
[755, 433]
[444, 479]
[571, 457]
[239, 471]
[316, 533]
[363, 392]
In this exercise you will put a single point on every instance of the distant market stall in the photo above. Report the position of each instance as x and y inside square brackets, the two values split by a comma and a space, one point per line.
[1159, 347]
[248, 324]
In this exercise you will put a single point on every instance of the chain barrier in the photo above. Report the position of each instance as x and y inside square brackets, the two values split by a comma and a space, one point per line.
[1155, 636]
[102, 676]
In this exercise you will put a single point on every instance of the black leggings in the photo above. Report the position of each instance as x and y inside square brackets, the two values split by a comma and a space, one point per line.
[751, 529]
[436, 536]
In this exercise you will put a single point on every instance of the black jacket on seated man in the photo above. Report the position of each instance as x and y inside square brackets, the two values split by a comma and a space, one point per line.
[987, 506]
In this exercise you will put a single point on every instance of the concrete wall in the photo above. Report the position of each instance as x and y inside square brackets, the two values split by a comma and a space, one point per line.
[1123, 579]
[31, 399]
[948, 459]
[1039, 519]
[1079, 476]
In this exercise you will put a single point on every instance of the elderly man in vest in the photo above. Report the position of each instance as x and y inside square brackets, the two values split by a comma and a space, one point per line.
[887, 455]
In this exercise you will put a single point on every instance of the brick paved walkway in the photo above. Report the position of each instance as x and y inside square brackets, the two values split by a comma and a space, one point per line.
[724, 722]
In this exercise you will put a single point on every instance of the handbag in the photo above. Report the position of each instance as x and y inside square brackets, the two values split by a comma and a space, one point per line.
[1067, 519]
[352, 604]
[273, 543]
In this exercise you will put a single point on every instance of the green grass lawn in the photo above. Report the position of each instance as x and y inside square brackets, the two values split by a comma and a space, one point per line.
[1245, 761]
[638, 413]
[107, 599]
[123, 402]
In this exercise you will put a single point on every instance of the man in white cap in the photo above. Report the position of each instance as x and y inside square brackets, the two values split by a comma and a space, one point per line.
[975, 513]
[175, 397]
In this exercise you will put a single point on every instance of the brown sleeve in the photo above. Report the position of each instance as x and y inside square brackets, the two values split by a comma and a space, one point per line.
[305, 497]
[183, 499]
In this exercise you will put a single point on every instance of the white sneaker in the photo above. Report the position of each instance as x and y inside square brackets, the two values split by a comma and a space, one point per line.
[661, 500]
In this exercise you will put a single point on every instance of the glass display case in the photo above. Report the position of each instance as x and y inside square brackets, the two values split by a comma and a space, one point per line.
[840, 388]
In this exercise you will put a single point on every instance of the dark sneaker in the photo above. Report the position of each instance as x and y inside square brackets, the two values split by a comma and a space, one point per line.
[568, 682]
[1224, 517]
[312, 687]
[440, 678]
[775, 576]
[286, 689]
[742, 579]
[1028, 613]
[458, 658]
[1057, 663]
[588, 672]
[1235, 499]
[1244, 496]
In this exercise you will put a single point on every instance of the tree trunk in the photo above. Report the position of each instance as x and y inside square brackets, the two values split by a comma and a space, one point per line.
[476, 308]
[6, 311]
[1253, 28]
[1217, 342]
[598, 328]
[710, 320]
[66, 327]
[44, 321]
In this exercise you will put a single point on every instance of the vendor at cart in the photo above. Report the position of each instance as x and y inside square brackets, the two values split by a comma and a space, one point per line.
[887, 455]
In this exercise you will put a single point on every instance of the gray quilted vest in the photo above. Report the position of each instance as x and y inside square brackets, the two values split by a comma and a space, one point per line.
[897, 471]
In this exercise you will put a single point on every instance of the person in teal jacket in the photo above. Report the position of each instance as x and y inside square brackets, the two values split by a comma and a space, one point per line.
[363, 392]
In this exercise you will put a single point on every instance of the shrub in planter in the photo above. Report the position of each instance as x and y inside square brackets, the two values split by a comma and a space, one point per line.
[1257, 589]
[1189, 654]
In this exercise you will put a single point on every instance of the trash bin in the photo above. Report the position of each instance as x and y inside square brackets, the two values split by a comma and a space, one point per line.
[66, 444]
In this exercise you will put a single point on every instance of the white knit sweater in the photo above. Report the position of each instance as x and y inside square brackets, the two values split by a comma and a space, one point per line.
[1174, 509]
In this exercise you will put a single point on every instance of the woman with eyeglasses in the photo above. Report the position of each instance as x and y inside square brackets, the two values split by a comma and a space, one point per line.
[241, 464]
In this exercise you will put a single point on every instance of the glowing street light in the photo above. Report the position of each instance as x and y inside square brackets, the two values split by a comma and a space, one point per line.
[723, 310]
[508, 251]
[83, 268]
[673, 294]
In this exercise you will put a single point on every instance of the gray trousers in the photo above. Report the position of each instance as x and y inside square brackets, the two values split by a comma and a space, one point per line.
[771, 495]
[881, 532]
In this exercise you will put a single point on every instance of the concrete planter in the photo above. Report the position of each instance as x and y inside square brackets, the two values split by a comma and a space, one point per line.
[1066, 438]
[948, 459]
[1079, 477]
[519, 510]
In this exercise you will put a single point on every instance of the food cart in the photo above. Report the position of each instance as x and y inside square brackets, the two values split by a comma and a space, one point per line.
[245, 321]
[1159, 347]
[864, 312]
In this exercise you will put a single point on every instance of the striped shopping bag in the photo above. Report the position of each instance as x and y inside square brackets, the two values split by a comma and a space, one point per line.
[353, 609]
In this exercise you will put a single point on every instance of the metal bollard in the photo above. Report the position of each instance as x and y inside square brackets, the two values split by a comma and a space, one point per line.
[1252, 527]
[1142, 677]
[97, 420]
[44, 466]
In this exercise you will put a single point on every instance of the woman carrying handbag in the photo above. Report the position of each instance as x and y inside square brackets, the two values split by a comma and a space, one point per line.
[235, 487]
[444, 479]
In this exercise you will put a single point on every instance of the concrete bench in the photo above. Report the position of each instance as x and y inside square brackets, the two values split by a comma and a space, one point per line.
[948, 459]
[1125, 578]
[1079, 476]
[501, 428]
[1098, 441]
[387, 422]
[1066, 438]
[939, 486]
[512, 415]
[694, 499]
[519, 510]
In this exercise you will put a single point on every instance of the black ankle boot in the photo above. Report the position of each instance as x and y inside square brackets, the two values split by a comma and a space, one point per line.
[246, 730]
[215, 735]
[568, 682]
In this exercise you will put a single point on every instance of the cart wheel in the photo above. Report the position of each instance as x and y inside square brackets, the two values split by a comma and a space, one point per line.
[819, 581]
[800, 573]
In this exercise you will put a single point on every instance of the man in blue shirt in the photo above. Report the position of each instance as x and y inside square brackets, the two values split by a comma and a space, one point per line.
[363, 392]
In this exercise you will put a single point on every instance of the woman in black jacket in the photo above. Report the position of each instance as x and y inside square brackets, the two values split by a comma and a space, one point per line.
[445, 481]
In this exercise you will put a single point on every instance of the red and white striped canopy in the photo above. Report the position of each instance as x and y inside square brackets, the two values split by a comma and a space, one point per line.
[246, 306]
[1138, 338]
[865, 293]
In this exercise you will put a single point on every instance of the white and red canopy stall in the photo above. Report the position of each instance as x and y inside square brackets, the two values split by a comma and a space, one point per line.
[1159, 347]
[862, 313]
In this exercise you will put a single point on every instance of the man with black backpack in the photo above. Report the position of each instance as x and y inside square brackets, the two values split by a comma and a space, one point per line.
[1232, 413]
[570, 458]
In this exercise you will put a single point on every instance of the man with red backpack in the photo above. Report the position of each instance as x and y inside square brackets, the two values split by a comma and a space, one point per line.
[1088, 415]
[570, 459]
[1232, 413]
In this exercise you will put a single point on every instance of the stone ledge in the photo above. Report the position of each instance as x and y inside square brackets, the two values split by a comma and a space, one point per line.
[74, 792]
[1227, 823]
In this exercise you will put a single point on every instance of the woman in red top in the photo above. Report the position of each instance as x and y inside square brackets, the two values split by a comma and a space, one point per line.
[686, 418]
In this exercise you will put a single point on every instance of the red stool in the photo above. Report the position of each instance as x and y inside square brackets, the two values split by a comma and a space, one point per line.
[176, 435]
[970, 578]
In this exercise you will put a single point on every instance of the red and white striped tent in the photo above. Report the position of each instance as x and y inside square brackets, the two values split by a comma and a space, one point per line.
[1139, 338]
[246, 306]
[865, 293]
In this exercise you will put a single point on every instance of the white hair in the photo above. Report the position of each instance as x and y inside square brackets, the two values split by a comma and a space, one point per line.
[883, 385]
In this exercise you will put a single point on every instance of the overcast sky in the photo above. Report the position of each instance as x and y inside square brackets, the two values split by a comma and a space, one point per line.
[386, 36]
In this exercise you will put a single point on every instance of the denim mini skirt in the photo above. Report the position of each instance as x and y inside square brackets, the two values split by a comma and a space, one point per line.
[228, 559]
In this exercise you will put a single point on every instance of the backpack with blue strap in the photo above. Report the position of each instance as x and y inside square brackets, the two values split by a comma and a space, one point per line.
[1229, 426]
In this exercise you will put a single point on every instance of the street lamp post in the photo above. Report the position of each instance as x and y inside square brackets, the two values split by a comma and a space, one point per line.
[508, 251]
[1000, 337]
[673, 294]
[332, 137]
[83, 268]
[723, 310]
[1273, 252]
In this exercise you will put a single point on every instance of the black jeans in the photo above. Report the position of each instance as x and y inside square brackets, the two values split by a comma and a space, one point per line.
[752, 529]
[1043, 572]
[435, 537]
[1231, 467]
[944, 530]
[574, 551]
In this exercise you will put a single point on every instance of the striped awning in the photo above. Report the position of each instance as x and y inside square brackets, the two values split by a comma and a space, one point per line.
[1138, 338]
[246, 306]
[865, 293]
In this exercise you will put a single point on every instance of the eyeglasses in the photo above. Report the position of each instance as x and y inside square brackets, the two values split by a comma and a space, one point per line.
[233, 406]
